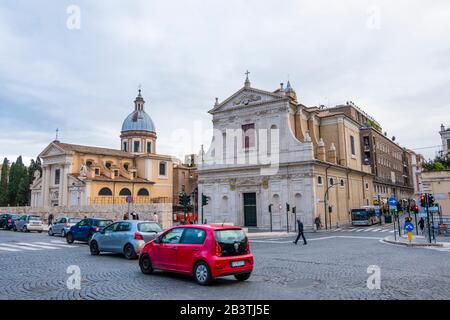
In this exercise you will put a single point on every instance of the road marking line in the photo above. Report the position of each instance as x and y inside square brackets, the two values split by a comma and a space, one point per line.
[38, 246]
[378, 229]
[59, 241]
[338, 229]
[9, 249]
[368, 229]
[391, 231]
[360, 230]
[56, 244]
[19, 247]
[385, 230]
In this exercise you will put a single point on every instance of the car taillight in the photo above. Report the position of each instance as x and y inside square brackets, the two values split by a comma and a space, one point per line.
[95, 229]
[218, 250]
[9, 221]
[67, 225]
[138, 236]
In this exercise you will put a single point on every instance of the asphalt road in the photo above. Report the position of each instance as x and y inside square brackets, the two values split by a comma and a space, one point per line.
[332, 266]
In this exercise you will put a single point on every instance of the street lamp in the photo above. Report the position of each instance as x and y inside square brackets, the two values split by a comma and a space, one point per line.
[325, 204]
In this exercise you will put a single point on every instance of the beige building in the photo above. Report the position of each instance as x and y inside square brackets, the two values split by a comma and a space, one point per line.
[270, 151]
[438, 183]
[185, 179]
[78, 175]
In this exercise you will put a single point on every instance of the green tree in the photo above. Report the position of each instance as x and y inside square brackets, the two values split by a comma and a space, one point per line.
[23, 191]
[34, 165]
[4, 183]
[16, 173]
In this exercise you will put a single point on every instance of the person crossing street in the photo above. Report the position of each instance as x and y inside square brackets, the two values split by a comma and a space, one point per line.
[300, 232]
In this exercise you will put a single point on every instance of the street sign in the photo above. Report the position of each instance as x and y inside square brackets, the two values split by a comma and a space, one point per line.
[433, 209]
[409, 227]
[393, 208]
[392, 201]
[129, 199]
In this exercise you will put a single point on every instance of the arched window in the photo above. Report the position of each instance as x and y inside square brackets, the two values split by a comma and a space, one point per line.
[125, 192]
[108, 165]
[89, 163]
[331, 181]
[143, 192]
[342, 182]
[126, 166]
[105, 192]
[319, 180]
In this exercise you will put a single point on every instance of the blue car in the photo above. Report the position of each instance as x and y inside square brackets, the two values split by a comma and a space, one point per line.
[85, 229]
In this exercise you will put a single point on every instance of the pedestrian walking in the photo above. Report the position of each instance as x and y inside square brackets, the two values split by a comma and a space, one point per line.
[155, 217]
[317, 223]
[421, 224]
[126, 216]
[300, 232]
[50, 219]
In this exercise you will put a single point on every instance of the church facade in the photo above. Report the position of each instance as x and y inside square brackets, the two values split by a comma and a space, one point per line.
[273, 160]
[78, 175]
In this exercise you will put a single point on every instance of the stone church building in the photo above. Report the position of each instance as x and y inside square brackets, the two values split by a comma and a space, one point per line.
[270, 150]
[79, 175]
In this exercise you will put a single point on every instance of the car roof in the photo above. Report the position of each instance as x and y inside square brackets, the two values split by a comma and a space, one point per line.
[213, 227]
[136, 221]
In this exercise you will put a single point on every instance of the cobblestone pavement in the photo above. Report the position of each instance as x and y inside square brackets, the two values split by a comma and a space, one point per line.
[331, 266]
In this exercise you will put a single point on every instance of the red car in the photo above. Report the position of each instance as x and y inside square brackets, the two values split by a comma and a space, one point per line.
[204, 251]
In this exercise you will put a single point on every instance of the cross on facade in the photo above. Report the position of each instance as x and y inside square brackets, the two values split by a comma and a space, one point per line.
[57, 131]
[247, 73]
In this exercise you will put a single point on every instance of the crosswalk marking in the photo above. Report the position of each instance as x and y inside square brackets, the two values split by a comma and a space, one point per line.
[38, 246]
[19, 247]
[57, 244]
[8, 249]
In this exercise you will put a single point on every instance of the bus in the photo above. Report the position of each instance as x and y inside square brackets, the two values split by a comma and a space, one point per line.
[365, 216]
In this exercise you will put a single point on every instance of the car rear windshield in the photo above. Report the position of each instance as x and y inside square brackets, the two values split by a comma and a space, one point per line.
[15, 216]
[35, 218]
[74, 220]
[103, 223]
[230, 236]
[149, 227]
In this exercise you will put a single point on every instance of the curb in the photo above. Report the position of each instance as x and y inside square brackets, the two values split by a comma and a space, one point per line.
[413, 244]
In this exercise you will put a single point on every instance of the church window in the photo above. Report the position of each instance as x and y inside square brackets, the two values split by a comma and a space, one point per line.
[319, 180]
[331, 181]
[108, 165]
[342, 182]
[149, 147]
[97, 172]
[136, 146]
[162, 168]
[249, 135]
[89, 163]
[116, 173]
[106, 192]
[57, 176]
[143, 192]
[125, 146]
[352, 145]
[125, 192]
[126, 166]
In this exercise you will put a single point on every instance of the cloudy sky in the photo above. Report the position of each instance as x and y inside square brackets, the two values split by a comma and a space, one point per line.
[81, 75]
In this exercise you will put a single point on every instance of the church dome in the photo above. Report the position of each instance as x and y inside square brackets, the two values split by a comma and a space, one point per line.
[138, 120]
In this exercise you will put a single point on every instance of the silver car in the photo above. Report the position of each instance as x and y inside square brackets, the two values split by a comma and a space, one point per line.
[62, 226]
[127, 237]
[28, 223]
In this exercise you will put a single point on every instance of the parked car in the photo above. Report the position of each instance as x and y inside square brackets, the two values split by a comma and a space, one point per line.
[27, 223]
[85, 229]
[127, 237]
[7, 220]
[62, 226]
[203, 251]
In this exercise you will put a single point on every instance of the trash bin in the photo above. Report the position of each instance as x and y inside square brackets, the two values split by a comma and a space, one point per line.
[387, 219]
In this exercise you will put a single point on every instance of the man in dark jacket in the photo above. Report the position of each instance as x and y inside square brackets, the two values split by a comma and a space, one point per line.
[300, 232]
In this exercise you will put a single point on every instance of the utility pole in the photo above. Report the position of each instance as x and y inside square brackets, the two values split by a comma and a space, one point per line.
[428, 217]
[287, 217]
[270, 214]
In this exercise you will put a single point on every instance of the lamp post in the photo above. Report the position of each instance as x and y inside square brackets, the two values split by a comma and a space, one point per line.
[325, 206]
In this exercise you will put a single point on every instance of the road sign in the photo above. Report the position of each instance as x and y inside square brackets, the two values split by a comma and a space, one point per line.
[129, 199]
[393, 208]
[392, 201]
[433, 209]
[409, 227]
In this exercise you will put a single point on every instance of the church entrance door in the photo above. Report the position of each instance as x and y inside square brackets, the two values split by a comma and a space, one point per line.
[250, 209]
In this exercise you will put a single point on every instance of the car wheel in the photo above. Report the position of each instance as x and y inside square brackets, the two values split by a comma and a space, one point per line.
[14, 229]
[40, 231]
[69, 238]
[24, 229]
[129, 252]
[145, 264]
[63, 233]
[242, 276]
[202, 273]
[89, 238]
[50, 232]
[93, 246]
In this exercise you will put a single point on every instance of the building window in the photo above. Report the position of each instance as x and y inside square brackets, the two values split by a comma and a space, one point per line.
[367, 186]
[136, 146]
[149, 147]
[352, 145]
[319, 180]
[162, 168]
[105, 192]
[57, 176]
[97, 172]
[88, 163]
[183, 188]
[249, 135]
[143, 192]
[116, 173]
[342, 182]
[108, 165]
[448, 144]
[331, 181]
[125, 146]
[125, 192]
[126, 166]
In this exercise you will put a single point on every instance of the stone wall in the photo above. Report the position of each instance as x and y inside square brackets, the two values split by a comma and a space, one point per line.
[115, 212]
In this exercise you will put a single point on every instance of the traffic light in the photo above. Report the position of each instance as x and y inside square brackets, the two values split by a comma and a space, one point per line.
[430, 200]
[422, 200]
[185, 199]
[270, 208]
[204, 200]
[287, 207]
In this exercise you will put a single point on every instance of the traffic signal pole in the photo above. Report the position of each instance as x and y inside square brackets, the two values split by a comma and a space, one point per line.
[428, 218]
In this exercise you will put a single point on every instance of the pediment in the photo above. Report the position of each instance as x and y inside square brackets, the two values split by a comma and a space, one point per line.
[52, 150]
[246, 97]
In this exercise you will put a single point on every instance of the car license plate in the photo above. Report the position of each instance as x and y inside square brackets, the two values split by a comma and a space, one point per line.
[237, 263]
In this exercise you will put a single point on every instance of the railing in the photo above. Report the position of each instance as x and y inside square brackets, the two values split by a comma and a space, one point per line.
[106, 200]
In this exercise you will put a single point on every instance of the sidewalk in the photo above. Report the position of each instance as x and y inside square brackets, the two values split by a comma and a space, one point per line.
[418, 241]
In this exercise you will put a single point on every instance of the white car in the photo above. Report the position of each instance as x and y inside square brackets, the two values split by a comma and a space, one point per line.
[29, 223]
